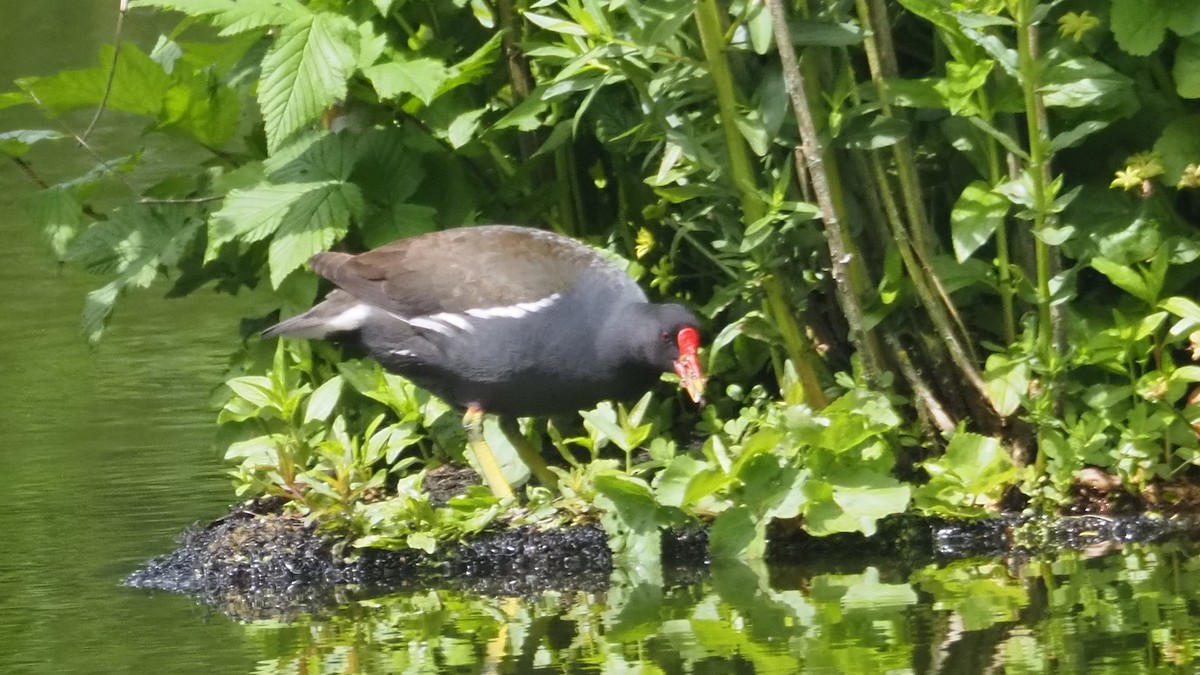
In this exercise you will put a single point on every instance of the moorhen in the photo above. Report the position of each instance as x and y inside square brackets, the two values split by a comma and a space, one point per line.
[509, 320]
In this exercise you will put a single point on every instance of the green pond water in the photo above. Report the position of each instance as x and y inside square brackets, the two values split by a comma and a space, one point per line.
[107, 454]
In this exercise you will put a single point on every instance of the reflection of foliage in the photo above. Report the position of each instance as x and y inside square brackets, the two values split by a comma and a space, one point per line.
[1069, 614]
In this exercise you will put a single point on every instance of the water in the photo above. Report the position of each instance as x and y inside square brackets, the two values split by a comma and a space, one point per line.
[108, 454]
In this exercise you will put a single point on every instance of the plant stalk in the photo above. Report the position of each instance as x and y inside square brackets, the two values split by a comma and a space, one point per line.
[712, 39]
[841, 258]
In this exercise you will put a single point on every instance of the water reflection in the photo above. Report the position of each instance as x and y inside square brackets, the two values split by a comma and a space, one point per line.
[1134, 611]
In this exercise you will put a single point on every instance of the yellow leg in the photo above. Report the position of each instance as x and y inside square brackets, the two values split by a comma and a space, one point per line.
[488, 466]
[531, 457]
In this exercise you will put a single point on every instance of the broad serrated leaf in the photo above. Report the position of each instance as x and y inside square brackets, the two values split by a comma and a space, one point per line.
[1138, 25]
[317, 220]
[203, 109]
[133, 243]
[139, 84]
[317, 156]
[1187, 68]
[420, 77]
[304, 73]
[234, 16]
[59, 212]
[97, 308]
[254, 214]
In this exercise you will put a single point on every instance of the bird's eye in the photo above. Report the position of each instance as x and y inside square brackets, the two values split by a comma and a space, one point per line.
[665, 337]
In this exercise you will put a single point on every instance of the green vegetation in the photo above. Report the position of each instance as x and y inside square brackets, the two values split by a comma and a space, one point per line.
[944, 247]
[1124, 613]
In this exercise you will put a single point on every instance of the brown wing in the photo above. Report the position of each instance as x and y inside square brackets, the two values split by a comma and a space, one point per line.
[460, 269]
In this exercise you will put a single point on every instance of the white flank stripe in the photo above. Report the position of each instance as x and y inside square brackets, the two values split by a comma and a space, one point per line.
[400, 352]
[513, 311]
[456, 320]
[428, 324]
[447, 323]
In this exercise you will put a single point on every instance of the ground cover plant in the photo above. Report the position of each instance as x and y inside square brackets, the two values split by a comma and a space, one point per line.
[946, 250]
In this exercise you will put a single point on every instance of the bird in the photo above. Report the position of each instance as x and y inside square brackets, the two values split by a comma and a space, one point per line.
[510, 320]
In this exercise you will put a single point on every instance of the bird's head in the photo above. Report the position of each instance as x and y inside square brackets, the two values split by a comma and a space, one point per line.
[668, 337]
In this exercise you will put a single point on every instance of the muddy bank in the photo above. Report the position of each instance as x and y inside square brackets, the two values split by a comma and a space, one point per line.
[261, 561]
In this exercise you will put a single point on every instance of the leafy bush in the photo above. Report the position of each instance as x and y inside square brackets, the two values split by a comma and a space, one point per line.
[946, 255]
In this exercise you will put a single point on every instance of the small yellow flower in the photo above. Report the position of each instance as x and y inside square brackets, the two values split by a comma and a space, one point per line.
[644, 243]
[1075, 25]
[1147, 164]
[1190, 177]
[1126, 180]
[1139, 169]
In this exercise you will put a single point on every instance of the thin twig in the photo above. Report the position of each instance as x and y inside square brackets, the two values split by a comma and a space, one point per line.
[112, 71]
[835, 237]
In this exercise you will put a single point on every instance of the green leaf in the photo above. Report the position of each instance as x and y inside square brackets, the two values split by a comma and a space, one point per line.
[1179, 146]
[134, 244]
[317, 220]
[977, 214]
[423, 541]
[423, 78]
[555, 24]
[59, 211]
[255, 389]
[202, 108]
[17, 143]
[973, 474]
[304, 72]
[736, 534]
[475, 67]
[632, 518]
[1125, 278]
[872, 132]
[139, 84]
[632, 499]
[1084, 82]
[823, 33]
[671, 485]
[1006, 382]
[1138, 25]
[853, 501]
[923, 93]
[322, 401]
[234, 16]
[1072, 137]
[1186, 70]
[1184, 308]
[254, 214]
[758, 25]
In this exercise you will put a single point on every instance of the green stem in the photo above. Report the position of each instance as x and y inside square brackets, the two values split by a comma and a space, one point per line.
[1039, 166]
[845, 264]
[708, 19]
[742, 173]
